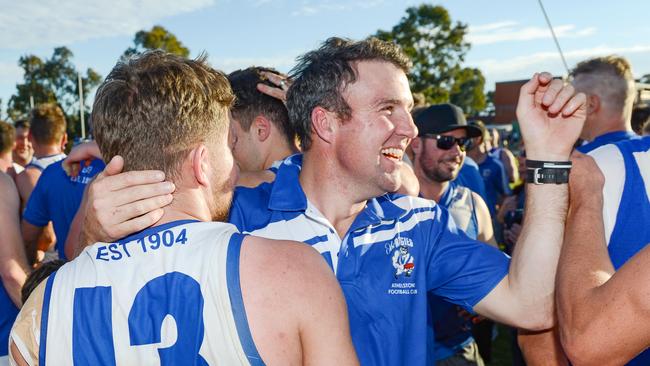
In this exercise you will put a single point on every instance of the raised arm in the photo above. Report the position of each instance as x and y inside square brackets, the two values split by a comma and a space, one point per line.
[13, 263]
[602, 315]
[551, 117]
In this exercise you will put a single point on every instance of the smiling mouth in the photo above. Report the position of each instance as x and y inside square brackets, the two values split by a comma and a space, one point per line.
[393, 153]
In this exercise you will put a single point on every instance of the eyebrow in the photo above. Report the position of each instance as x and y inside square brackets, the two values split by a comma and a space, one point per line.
[393, 101]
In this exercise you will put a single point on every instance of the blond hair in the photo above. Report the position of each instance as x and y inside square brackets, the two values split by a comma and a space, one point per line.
[153, 108]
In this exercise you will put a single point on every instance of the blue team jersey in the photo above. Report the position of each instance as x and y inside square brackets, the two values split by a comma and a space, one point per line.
[169, 295]
[496, 181]
[470, 177]
[57, 196]
[629, 226]
[608, 138]
[397, 250]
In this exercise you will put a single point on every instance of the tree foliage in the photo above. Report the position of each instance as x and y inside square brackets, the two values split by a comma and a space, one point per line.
[157, 38]
[53, 80]
[437, 48]
[467, 90]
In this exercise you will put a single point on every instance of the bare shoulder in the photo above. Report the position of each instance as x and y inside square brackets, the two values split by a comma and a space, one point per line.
[10, 197]
[27, 178]
[285, 285]
[6, 183]
[254, 179]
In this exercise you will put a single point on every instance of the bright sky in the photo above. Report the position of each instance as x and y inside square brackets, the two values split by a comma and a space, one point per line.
[510, 39]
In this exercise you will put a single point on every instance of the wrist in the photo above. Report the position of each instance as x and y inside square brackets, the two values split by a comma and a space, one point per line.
[546, 156]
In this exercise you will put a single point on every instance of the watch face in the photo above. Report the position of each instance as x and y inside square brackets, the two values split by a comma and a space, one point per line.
[547, 175]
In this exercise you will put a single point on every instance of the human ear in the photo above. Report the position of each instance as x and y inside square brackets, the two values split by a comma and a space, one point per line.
[200, 164]
[324, 123]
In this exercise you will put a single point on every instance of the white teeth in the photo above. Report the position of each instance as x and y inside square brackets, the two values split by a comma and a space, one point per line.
[393, 152]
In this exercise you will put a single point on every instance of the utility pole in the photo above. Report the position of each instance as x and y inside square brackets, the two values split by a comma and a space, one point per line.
[557, 44]
[81, 107]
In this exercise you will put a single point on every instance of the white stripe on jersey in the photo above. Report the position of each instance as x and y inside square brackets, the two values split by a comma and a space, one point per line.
[370, 237]
[610, 161]
[203, 258]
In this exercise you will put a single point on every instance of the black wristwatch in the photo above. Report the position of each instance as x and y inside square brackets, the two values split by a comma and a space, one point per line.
[547, 172]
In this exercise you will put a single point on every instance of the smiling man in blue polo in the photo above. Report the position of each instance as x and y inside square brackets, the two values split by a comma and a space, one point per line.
[350, 103]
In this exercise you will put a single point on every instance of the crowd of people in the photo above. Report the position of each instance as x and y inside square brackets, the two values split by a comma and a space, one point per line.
[321, 217]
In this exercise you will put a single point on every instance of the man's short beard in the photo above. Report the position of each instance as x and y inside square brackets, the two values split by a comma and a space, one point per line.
[221, 208]
[436, 176]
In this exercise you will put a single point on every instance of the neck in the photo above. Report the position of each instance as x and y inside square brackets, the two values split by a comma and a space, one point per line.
[6, 162]
[431, 189]
[186, 205]
[279, 152]
[46, 150]
[606, 124]
[328, 190]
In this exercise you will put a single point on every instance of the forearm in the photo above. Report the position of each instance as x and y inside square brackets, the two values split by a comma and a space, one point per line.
[534, 262]
[582, 303]
[13, 277]
[542, 348]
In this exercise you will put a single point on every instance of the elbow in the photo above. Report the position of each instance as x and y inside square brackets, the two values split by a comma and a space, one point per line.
[539, 323]
[579, 352]
[538, 318]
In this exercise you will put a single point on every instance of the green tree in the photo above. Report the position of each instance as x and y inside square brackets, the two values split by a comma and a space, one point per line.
[54, 80]
[436, 47]
[157, 38]
[467, 91]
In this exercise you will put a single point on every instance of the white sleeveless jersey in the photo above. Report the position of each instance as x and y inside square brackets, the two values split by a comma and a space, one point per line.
[169, 295]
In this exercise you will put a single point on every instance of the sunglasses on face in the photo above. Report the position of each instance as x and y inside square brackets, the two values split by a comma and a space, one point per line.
[447, 142]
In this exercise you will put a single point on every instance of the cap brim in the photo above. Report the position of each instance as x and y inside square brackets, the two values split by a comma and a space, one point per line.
[472, 131]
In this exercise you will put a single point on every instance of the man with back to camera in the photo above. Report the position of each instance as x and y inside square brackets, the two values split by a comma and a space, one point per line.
[261, 122]
[335, 199]
[225, 291]
[602, 308]
[610, 89]
[48, 138]
[438, 154]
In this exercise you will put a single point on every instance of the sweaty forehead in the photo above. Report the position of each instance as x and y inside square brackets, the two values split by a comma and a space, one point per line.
[378, 82]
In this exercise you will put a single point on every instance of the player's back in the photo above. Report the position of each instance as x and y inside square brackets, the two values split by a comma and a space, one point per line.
[169, 295]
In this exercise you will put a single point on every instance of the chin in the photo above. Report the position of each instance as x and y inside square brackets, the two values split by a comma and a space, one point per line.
[391, 185]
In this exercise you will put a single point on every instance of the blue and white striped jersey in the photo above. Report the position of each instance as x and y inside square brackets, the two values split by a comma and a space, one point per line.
[626, 202]
[169, 295]
[397, 250]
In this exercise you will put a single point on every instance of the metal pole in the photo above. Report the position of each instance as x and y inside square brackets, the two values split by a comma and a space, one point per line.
[81, 107]
[557, 44]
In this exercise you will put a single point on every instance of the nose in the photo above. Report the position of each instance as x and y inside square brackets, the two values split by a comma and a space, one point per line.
[407, 127]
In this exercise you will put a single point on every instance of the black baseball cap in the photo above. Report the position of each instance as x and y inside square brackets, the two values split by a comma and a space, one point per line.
[441, 118]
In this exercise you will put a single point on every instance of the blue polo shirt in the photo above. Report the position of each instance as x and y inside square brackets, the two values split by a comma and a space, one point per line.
[397, 250]
[57, 196]
[607, 138]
